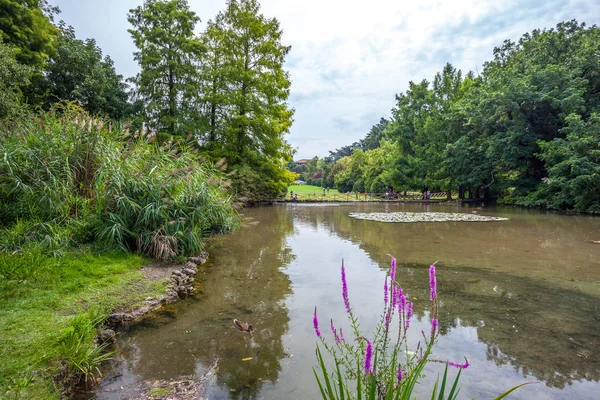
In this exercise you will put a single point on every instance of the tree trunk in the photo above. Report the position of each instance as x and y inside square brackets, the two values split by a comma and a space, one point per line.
[461, 192]
[242, 127]
[172, 102]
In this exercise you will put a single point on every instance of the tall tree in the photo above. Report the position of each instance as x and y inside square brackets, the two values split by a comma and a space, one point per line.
[213, 84]
[257, 115]
[373, 138]
[168, 56]
[79, 72]
[27, 26]
[13, 77]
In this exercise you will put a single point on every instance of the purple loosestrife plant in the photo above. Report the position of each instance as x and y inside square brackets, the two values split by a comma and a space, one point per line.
[316, 323]
[380, 369]
[345, 289]
[432, 282]
[369, 358]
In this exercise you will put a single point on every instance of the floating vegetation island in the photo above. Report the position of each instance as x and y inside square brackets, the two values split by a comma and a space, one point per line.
[424, 217]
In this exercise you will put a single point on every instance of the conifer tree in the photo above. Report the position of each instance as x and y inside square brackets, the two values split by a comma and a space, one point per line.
[168, 55]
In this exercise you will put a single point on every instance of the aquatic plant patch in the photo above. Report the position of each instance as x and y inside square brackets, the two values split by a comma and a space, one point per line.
[424, 217]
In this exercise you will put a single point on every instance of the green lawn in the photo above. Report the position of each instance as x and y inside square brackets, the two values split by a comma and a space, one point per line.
[34, 310]
[308, 189]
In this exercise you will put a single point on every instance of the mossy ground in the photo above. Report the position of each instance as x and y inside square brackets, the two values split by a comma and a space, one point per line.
[34, 311]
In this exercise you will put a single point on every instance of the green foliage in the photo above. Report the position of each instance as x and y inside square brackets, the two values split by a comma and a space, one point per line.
[78, 72]
[13, 78]
[77, 348]
[573, 166]
[499, 134]
[245, 90]
[160, 200]
[163, 31]
[27, 26]
[72, 179]
[37, 306]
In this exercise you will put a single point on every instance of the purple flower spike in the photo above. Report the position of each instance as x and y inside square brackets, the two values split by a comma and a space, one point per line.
[432, 283]
[316, 323]
[341, 335]
[400, 374]
[345, 288]
[368, 358]
[393, 270]
[434, 325]
[388, 318]
[334, 331]
[457, 365]
[401, 300]
[409, 312]
[385, 291]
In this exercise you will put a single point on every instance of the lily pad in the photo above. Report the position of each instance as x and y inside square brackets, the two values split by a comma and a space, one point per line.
[424, 217]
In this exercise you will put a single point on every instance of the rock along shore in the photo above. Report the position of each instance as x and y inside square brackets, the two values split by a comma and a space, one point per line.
[180, 286]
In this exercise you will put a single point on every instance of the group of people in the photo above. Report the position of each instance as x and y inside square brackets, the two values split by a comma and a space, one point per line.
[426, 195]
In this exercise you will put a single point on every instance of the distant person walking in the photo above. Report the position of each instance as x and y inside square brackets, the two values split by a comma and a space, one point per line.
[428, 194]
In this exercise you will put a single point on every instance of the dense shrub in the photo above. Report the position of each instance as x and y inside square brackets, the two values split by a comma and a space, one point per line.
[359, 186]
[76, 179]
[378, 186]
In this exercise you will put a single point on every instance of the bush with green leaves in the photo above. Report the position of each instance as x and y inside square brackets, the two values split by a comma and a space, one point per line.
[573, 165]
[75, 179]
[13, 78]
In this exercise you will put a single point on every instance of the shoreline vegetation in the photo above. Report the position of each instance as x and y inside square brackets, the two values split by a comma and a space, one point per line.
[98, 179]
[524, 131]
[84, 204]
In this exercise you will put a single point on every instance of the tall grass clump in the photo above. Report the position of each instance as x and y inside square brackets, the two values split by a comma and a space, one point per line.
[382, 365]
[68, 179]
[80, 355]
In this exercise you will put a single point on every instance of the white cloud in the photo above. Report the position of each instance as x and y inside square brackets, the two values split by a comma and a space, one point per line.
[350, 58]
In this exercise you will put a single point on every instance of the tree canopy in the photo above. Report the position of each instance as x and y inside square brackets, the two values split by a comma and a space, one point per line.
[522, 131]
[79, 72]
[27, 25]
[168, 55]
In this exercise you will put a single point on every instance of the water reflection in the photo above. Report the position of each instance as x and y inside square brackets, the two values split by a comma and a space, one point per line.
[246, 281]
[519, 299]
[545, 332]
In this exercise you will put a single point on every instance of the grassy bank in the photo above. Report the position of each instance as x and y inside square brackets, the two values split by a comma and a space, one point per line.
[38, 312]
[309, 189]
[80, 197]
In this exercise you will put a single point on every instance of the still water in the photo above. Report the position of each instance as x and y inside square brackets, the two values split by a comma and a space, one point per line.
[520, 299]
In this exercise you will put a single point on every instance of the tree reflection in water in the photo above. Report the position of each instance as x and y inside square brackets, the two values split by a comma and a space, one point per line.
[540, 327]
[526, 290]
[247, 281]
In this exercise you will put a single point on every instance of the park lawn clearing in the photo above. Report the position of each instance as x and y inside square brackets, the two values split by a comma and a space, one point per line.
[34, 312]
[309, 189]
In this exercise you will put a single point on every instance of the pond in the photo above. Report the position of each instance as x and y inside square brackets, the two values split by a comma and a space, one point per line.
[519, 298]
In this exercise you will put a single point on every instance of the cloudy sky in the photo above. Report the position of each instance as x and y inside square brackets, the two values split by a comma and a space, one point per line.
[349, 58]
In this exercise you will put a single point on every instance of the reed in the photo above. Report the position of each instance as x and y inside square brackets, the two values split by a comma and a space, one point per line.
[68, 179]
